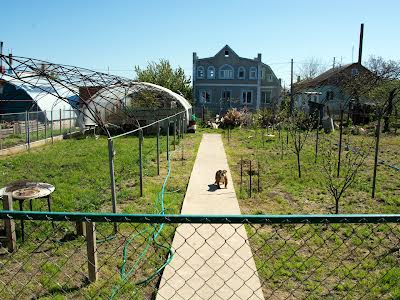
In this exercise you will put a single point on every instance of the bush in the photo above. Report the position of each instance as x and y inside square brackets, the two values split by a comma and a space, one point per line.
[235, 118]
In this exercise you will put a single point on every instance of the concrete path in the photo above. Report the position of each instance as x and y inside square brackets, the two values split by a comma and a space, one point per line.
[210, 261]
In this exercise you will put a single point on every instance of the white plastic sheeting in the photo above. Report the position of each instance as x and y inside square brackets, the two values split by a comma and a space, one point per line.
[47, 97]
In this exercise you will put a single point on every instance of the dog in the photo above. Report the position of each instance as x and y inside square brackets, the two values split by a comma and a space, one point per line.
[221, 178]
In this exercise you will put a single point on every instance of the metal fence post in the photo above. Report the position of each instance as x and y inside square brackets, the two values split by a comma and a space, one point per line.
[92, 251]
[9, 224]
[250, 171]
[141, 161]
[45, 126]
[377, 136]
[60, 120]
[37, 124]
[174, 134]
[158, 147]
[51, 126]
[27, 129]
[168, 140]
[70, 121]
[112, 177]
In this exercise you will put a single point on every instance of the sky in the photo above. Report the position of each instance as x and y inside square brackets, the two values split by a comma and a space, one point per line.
[117, 35]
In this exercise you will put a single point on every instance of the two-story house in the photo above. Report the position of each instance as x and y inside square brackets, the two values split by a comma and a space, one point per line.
[227, 80]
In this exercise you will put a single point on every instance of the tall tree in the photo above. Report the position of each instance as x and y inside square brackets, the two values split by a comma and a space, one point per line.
[311, 68]
[162, 73]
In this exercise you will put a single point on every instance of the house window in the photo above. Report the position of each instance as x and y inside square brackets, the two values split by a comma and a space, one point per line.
[210, 72]
[270, 78]
[330, 95]
[241, 73]
[253, 73]
[205, 96]
[226, 95]
[226, 72]
[247, 97]
[200, 72]
[266, 97]
[354, 72]
[226, 53]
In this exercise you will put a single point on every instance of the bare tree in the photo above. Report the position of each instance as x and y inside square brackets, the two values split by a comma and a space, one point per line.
[299, 127]
[351, 164]
[311, 68]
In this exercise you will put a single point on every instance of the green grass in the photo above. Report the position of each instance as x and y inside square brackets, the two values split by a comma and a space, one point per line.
[317, 261]
[79, 170]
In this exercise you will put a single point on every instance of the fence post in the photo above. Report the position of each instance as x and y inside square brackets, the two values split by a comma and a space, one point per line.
[28, 133]
[168, 140]
[174, 134]
[45, 126]
[340, 140]
[250, 179]
[158, 147]
[141, 161]
[258, 176]
[378, 133]
[60, 120]
[37, 124]
[51, 127]
[317, 140]
[92, 251]
[241, 173]
[9, 224]
[80, 228]
[112, 177]
[70, 121]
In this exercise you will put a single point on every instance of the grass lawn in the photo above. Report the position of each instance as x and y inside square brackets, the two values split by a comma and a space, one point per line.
[52, 263]
[317, 261]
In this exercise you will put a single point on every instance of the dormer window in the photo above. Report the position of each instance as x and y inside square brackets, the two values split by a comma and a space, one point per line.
[241, 73]
[226, 53]
[200, 72]
[253, 73]
[210, 72]
[226, 72]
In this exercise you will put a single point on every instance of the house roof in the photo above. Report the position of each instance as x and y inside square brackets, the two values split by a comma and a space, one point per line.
[333, 76]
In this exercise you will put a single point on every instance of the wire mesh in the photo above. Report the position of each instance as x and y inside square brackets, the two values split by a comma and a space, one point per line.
[203, 257]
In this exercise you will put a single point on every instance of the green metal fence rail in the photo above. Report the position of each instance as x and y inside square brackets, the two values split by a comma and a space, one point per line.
[199, 256]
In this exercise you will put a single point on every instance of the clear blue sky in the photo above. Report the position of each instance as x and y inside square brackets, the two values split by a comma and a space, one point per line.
[121, 34]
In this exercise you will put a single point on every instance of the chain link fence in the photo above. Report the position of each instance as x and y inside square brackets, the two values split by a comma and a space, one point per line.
[79, 256]
[32, 126]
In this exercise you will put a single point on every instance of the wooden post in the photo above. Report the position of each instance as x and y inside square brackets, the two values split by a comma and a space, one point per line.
[92, 251]
[258, 176]
[111, 154]
[80, 229]
[241, 173]
[9, 224]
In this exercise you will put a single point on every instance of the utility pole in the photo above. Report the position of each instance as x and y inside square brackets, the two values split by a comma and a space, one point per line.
[291, 88]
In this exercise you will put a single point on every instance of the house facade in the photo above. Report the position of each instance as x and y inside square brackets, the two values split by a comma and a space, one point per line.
[327, 91]
[227, 80]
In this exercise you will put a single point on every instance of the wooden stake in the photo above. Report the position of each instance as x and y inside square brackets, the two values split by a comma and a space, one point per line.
[92, 251]
[9, 224]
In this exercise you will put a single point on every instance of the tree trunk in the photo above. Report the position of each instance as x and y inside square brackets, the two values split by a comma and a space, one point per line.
[298, 164]
[337, 206]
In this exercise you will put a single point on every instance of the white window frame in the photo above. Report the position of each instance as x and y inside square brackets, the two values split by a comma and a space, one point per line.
[244, 73]
[224, 70]
[242, 99]
[264, 101]
[209, 70]
[200, 69]
[253, 70]
[203, 97]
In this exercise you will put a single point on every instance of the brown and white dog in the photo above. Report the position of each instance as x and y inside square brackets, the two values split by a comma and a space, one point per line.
[221, 178]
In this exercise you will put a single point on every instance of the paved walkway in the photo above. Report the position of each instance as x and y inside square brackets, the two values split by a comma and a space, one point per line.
[210, 261]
